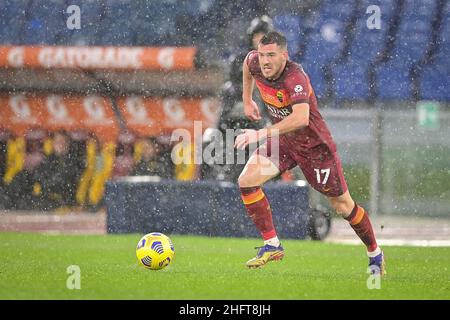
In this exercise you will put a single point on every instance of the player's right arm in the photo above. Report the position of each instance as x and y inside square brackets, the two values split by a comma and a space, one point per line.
[251, 109]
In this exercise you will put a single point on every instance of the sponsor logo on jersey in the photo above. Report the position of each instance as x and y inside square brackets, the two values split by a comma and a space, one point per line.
[298, 88]
[279, 113]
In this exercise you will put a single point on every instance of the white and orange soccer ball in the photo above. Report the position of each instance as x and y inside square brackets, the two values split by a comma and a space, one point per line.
[155, 251]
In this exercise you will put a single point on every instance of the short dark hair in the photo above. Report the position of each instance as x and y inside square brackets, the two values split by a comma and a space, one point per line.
[274, 37]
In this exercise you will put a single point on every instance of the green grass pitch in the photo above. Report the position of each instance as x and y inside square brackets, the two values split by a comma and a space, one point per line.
[34, 266]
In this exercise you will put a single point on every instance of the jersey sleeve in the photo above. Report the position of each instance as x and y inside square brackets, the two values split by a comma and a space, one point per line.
[298, 87]
[252, 60]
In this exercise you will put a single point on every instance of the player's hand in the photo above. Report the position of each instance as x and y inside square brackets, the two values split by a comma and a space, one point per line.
[248, 136]
[251, 110]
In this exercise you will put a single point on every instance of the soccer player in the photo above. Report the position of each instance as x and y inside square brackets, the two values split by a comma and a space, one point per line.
[302, 138]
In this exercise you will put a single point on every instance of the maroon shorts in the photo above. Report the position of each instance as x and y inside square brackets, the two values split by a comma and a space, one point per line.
[321, 166]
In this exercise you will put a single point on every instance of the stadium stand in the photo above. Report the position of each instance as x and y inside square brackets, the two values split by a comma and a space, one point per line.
[291, 26]
[326, 41]
[45, 23]
[435, 73]
[367, 46]
[394, 76]
[91, 24]
[13, 16]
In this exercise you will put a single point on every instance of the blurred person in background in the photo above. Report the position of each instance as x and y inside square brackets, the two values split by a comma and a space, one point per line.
[4, 138]
[231, 116]
[78, 154]
[124, 158]
[57, 176]
[22, 191]
[154, 161]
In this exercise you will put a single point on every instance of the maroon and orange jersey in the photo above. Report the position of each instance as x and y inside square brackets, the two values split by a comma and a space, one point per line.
[292, 87]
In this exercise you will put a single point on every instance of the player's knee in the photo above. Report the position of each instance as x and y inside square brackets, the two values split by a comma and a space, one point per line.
[343, 205]
[241, 181]
[249, 179]
[341, 208]
[245, 181]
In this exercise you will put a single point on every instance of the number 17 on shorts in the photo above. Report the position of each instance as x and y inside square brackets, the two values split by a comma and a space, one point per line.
[322, 175]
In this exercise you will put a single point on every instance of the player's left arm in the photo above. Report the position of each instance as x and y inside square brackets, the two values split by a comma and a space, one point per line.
[298, 119]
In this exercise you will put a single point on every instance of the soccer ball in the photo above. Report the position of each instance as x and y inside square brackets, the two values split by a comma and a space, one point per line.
[155, 251]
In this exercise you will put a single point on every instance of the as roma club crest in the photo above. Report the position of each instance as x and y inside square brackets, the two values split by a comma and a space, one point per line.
[280, 96]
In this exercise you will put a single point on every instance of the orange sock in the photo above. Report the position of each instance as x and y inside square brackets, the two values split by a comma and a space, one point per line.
[258, 209]
[360, 222]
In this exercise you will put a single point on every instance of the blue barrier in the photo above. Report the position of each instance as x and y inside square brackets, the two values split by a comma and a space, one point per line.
[209, 208]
